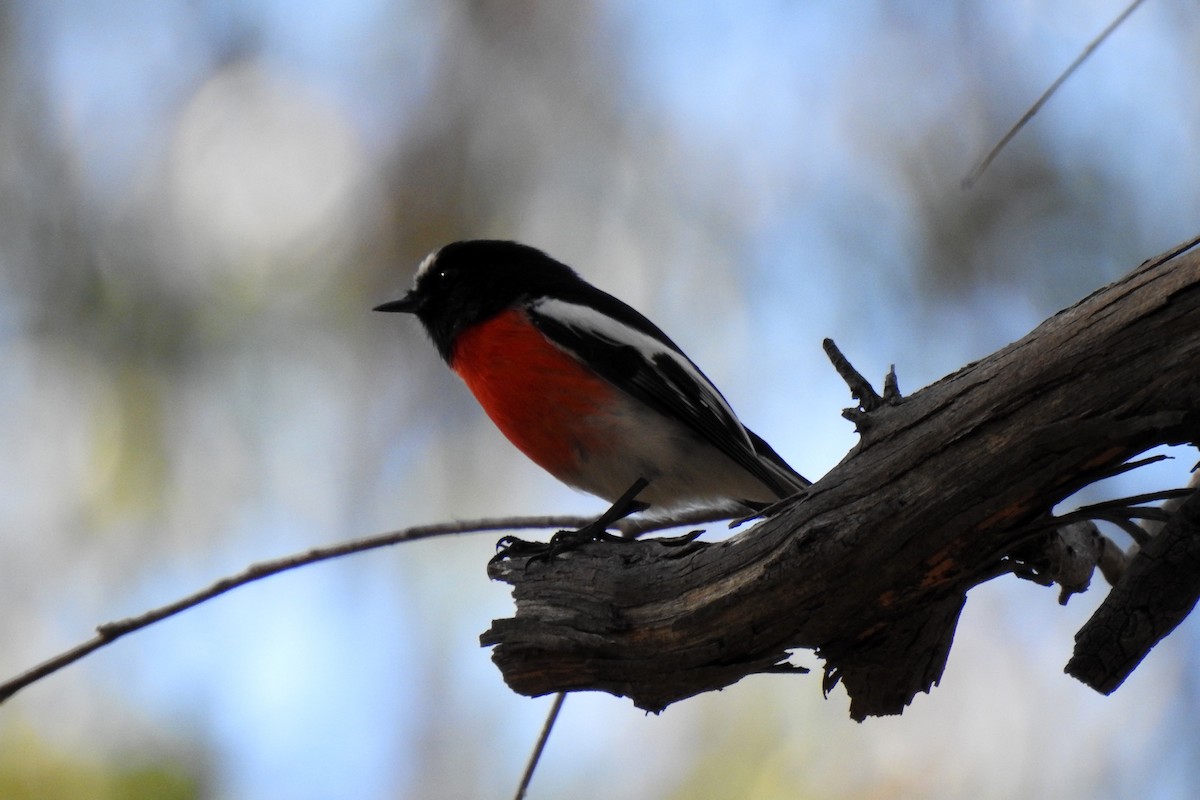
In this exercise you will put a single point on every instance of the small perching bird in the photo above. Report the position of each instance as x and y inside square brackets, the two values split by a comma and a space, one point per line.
[586, 386]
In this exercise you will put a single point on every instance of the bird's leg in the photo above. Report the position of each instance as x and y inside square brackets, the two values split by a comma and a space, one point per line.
[597, 531]
[563, 541]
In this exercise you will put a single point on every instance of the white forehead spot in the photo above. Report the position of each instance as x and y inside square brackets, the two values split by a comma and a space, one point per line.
[426, 264]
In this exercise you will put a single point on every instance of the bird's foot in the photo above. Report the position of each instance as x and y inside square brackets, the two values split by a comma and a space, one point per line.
[565, 541]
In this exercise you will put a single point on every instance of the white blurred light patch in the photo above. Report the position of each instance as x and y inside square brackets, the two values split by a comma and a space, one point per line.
[265, 178]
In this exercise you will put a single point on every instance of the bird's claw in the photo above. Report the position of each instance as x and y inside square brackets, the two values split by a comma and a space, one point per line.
[564, 541]
[561, 542]
[512, 547]
[567, 540]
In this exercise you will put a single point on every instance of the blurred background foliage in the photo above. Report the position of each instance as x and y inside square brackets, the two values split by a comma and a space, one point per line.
[201, 201]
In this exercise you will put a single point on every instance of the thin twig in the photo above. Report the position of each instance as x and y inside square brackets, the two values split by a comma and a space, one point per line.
[1167, 256]
[860, 388]
[700, 516]
[1002, 562]
[969, 181]
[891, 387]
[1131, 528]
[1135, 500]
[1129, 466]
[109, 632]
[536, 755]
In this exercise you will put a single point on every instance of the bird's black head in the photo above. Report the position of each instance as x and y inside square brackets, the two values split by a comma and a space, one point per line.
[465, 283]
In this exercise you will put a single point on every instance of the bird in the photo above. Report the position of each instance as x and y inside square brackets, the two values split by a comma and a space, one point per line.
[587, 387]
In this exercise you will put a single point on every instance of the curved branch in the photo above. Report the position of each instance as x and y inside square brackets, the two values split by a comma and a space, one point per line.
[872, 566]
[109, 632]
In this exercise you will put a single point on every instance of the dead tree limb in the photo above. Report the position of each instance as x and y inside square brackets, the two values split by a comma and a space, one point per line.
[1157, 592]
[947, 488]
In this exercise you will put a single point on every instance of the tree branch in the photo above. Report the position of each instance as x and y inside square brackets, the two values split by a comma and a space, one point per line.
[986, 161]
[109, 632]
[872, 565]
[1158, 591]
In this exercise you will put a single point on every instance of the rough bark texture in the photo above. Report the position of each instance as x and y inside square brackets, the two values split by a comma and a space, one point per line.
[947, 488]
[1157, 592]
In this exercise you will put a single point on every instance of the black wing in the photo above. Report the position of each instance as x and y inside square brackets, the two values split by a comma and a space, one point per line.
[636, 357]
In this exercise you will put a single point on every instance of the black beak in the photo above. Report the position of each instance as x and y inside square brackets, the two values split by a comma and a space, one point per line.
[407, 304]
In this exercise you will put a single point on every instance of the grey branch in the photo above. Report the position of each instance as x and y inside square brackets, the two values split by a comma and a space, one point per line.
[873, 566]
[109, 632]
[1157, 591]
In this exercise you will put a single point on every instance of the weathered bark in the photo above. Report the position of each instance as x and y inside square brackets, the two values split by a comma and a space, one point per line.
[1157, 592]
[947, 488]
